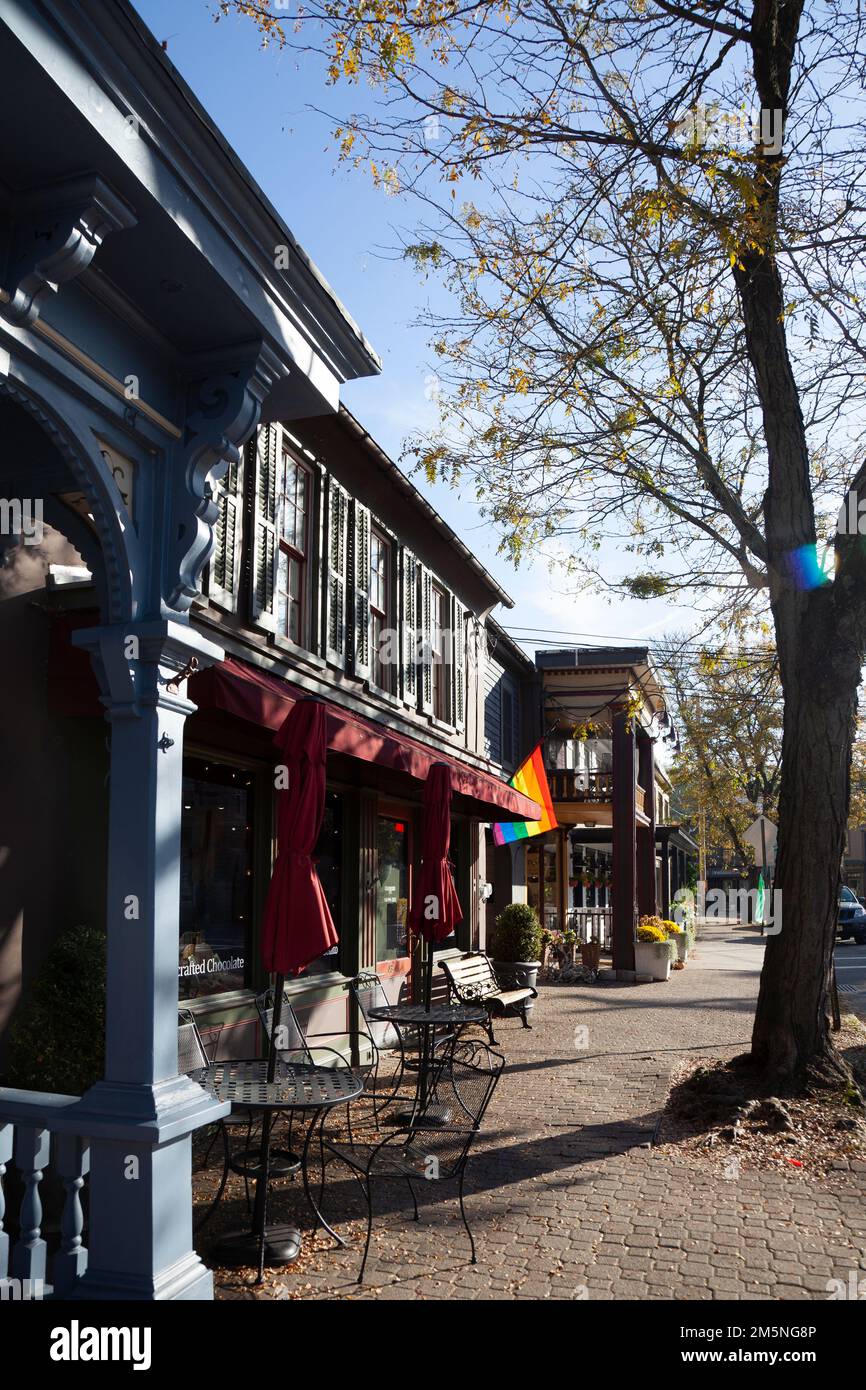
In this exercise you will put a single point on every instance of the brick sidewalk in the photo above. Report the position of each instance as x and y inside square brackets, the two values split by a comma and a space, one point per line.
[565, 1198]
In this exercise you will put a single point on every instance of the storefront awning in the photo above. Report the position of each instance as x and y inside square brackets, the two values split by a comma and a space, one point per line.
[263, 699]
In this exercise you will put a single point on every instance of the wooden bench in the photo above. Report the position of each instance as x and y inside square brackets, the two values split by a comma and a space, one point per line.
[472, 980]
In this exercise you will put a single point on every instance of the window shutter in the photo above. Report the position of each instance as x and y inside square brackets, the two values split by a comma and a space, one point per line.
[337, 553]
[458, 672]
[361, 591]
[265, 540]
[426, 626]
[409, 629]
[224, 575]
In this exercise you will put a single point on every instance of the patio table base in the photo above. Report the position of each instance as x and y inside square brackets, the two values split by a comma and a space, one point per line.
[248, 1163]
[282, 1246]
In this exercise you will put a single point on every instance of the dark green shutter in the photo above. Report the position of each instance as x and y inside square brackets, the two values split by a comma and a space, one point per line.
[224, 576]
[409, 628]
[265, 551]
[426, 648]
[337, 556]
[361, 664]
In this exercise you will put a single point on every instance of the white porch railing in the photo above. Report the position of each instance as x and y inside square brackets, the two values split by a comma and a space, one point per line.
[35, 1133]
[586, 922]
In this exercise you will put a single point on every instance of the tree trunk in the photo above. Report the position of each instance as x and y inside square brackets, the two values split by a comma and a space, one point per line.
[791, 1042]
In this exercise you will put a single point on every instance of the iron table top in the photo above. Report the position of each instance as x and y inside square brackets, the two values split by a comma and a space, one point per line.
[423, 1017]
[296, 1085]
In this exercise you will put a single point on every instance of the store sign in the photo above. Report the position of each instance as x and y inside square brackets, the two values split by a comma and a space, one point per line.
[210, 965]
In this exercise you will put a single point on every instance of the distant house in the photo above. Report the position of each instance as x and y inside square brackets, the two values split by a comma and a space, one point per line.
[613, 857]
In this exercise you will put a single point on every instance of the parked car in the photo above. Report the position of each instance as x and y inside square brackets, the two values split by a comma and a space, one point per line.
[852, 916]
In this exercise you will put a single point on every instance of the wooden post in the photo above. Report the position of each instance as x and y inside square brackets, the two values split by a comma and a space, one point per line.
[666, 879]
[562, 851]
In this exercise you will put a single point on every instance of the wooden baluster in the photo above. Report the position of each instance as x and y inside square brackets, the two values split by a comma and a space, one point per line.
[32, 1150]
[7, 1135]
[73, 1165]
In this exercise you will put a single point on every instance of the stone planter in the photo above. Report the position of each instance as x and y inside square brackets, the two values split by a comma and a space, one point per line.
[652, 958]
[514, 974]
[682, 945]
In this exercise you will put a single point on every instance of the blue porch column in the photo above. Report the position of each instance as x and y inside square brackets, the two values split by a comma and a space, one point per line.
[140, 1117]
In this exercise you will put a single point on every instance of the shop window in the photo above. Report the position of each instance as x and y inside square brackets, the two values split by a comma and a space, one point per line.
[392, 898]
[329, 865]
[216, 879]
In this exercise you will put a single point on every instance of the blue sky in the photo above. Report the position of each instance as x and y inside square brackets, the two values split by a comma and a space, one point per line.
[263, 102]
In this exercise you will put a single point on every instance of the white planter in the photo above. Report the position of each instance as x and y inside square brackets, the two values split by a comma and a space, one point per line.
[682, 944]
[652, 958]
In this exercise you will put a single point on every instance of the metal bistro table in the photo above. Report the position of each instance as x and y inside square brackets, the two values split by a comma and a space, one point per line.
[427, 1018]
[296, 1086]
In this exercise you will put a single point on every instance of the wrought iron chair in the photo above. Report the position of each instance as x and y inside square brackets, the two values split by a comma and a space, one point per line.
[382, 1082]
[433, 1151]
[193, 1061]
[295, 1045]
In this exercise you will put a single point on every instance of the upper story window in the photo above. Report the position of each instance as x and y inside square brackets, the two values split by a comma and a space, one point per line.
[293, 520]
[438, 638]
[382, 667]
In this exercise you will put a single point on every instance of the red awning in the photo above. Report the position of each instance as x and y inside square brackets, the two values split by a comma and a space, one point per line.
[248, 693]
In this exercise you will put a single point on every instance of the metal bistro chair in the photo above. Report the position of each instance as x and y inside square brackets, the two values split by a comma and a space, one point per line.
[295, 1045]
[193, 1061]
[463, 1084]
[379, 1039]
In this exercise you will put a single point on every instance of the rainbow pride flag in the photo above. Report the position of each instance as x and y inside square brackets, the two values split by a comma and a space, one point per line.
[531, 779]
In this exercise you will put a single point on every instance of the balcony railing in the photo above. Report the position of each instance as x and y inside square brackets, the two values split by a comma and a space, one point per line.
[33, 1135]
[566, 784]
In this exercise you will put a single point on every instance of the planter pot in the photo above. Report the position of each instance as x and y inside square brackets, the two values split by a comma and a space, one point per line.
[520, 972]
[682, 944]
[652, 958]
[590, 954]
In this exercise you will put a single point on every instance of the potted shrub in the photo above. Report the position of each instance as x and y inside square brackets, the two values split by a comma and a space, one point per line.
[515, 946]
[653, 951]
[57, 1044]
